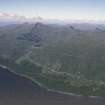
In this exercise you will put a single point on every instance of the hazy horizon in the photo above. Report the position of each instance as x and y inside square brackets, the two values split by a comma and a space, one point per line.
[56, 9]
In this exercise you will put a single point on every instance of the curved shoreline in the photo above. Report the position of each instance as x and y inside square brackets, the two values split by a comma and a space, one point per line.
[44, 87]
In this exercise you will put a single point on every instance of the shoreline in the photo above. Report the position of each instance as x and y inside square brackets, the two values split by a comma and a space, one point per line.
[44, 87]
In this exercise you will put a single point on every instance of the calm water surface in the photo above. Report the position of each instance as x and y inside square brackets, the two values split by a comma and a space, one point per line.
[16, 90]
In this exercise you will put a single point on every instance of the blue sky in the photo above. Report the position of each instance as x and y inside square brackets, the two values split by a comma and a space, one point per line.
[56, 9]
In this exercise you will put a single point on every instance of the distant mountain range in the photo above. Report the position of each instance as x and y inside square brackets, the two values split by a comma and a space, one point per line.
[7, 18]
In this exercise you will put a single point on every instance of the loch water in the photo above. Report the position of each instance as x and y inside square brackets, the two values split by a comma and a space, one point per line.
[18, 90]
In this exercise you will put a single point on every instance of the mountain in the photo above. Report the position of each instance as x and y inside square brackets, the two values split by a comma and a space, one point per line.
[59, 57]
[7, 19]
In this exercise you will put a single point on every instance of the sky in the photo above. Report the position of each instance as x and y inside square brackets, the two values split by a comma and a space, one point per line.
[56, 9]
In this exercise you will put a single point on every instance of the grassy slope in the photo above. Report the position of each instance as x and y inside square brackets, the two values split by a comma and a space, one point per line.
[69, 60]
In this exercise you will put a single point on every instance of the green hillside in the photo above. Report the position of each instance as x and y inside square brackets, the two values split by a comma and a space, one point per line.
[60, 57]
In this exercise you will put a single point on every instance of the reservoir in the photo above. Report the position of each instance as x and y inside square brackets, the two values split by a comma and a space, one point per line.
[17, 90]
